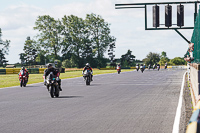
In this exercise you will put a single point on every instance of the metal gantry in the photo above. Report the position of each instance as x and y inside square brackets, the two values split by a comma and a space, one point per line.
[144, 5]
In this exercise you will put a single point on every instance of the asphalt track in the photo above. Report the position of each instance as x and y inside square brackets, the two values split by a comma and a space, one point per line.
[130, 102]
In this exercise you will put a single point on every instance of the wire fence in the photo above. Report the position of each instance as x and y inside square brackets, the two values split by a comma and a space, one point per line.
[196, 40]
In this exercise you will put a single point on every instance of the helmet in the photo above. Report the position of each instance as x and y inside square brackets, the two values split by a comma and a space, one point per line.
[49, 65]
[87, 64]
[118, 63]
[23, 68]
[144, 64]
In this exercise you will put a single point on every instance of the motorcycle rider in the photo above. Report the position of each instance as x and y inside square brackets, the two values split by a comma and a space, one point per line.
[149, 66]
[154, 66]
[55, 72]
[166, 65]
[144, 66]
[119, 67]
[25, 72]
[137, 67]
[158, 66]
[87, 67]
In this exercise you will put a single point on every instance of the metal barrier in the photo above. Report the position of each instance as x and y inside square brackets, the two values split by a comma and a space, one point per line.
[194, 123]
[30, 70]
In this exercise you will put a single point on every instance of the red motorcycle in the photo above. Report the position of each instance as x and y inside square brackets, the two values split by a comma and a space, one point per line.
[118, 69]
[23, 78]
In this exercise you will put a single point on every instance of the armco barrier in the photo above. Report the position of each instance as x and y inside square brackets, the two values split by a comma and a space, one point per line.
[41, 70]
[30, 70]
[2, 71]
[9, 71]
[194, 123]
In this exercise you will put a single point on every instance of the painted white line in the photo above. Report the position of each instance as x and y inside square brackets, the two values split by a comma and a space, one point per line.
[178, 110]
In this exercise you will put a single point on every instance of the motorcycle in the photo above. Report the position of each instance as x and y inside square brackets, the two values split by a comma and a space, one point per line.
[158, 67]
[52, 85]
[149, 67]
[154, 66]
[165, 66]
[23, 79]
[141, 68]
[137, 68]
[118, 69]
[87, 76]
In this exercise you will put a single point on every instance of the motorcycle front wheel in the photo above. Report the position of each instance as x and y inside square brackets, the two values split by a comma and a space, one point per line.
[57, 91]
[21, 82]
[87, 80]
[24, 84]
[52, 91]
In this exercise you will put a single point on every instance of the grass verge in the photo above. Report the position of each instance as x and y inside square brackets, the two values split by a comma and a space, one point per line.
[12, 79]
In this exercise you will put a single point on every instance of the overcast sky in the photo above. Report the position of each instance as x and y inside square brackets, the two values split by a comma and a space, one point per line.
[17, 18]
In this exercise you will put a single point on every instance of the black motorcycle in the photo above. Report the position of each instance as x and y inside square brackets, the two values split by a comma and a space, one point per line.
[137, 68]
[158, 67]
[142, 68]
[149, 67]
[87, 76]
[52, 85]
[154, 67]
[165, 66]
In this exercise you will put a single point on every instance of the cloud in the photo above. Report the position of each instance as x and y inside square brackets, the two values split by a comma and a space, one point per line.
[127, 25]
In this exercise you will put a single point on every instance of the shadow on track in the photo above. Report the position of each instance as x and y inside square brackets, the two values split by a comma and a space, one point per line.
[94, 85]
[70, 97]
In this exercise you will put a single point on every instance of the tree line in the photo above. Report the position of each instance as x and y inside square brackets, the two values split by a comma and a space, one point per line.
[71, 41]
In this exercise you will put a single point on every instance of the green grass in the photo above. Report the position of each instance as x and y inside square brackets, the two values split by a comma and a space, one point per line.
[12, 79]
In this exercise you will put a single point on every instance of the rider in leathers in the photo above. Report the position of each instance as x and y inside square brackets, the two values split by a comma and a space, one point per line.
[87, 67]
[24, 71]
[55, 72]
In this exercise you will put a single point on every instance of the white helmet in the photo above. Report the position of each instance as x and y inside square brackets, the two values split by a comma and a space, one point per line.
[87, 64]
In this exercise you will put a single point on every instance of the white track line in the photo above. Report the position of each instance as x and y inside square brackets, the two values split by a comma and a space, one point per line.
[178, 110]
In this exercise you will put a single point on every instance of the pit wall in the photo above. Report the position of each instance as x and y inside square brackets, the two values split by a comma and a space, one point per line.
[194, 80]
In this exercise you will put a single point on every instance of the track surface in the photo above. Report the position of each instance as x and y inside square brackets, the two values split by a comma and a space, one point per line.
[130, 102]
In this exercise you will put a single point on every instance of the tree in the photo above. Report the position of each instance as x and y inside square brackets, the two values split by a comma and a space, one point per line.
[152, 58]
[128, 60]
[49, 37]
[99, 34]
[163, 54]
[68, 63]
[4, 48]
[76, 38]
[30, 51]
[178, 61]
[22, 58]
[111, 52]
[163, 58]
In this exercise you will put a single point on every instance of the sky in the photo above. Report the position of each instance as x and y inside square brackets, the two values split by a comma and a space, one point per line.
[17, 19]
